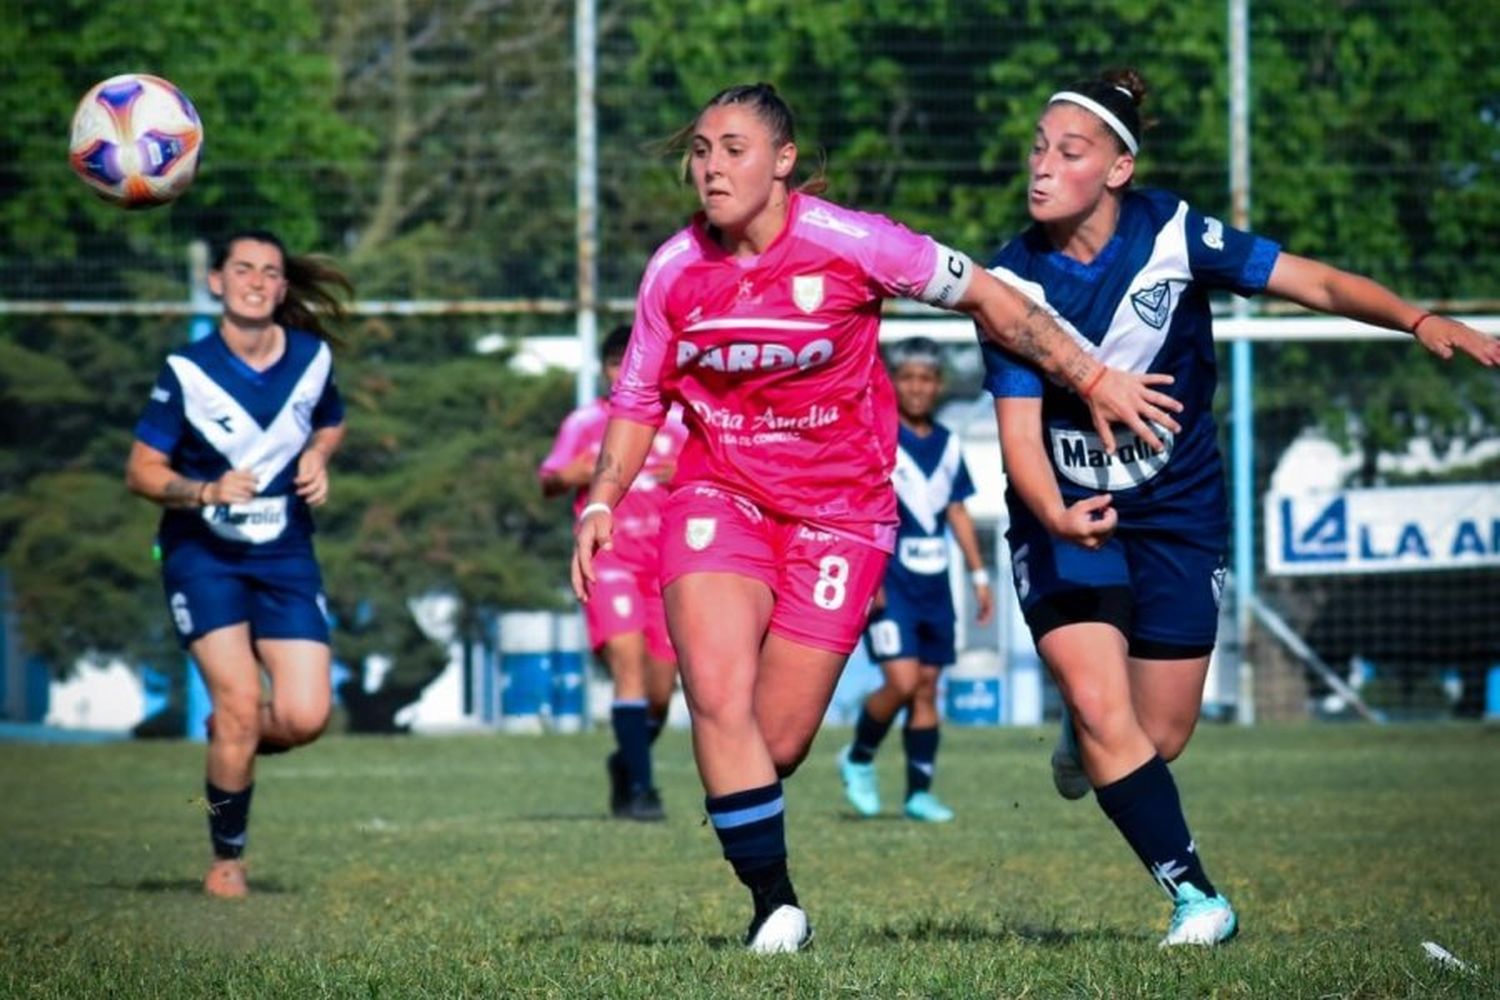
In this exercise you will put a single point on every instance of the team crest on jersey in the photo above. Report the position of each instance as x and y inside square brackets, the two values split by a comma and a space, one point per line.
[807, 291]
[1153, 304]
[700, 532]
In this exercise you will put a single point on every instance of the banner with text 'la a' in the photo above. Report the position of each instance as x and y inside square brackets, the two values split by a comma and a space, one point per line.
[1393, 529]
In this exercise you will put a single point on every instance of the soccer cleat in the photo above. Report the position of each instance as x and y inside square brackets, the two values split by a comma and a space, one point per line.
[643, 805]
[860, 786]
[619, 785]
[226, 879]
[924, 806]
[783, 931]
[1068, 776]
[1199, 919]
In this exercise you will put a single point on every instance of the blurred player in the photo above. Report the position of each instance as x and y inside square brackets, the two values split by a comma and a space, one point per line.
[627, 625]
[761, 317]
[911, 635]
[1119, 559]
[235, 443]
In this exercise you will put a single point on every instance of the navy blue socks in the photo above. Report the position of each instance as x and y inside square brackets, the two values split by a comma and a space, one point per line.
[1145, 807]
[228, 819]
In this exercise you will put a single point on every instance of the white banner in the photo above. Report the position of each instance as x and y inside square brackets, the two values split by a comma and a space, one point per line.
[1397, 529]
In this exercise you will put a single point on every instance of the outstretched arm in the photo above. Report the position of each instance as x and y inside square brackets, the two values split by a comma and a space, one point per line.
[1328, 289]
[1026, 328]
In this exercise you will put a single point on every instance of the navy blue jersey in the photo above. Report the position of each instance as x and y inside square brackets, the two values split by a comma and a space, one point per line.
[1142, 306]
[210, 413]
[930, 474]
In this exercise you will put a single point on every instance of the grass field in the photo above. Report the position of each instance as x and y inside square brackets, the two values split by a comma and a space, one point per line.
[483, 866]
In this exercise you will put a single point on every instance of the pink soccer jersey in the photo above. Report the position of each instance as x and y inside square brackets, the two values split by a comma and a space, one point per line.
[775, 360]
[637, 516]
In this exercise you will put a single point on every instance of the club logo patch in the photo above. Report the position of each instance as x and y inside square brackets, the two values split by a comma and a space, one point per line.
[1153, 304]
[807, 291]
[622, 605]
[700, 532]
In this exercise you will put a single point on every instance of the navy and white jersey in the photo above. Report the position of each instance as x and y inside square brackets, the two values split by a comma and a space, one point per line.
[210, 413]
[1142, 306]
[930, 474]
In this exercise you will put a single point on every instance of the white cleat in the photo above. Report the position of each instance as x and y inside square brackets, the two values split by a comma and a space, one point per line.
[1068, 776]
[786, 930]
[1199, 919]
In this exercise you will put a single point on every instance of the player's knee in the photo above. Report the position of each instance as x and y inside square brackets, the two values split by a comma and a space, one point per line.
[787, 756]
[303, 725]
[1171, 740]
[1096, 717]
[903, 687]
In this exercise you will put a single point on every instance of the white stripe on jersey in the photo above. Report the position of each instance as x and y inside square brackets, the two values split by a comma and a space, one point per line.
[755, 323]
[925, 498]
[208, 406]
[1131, 343]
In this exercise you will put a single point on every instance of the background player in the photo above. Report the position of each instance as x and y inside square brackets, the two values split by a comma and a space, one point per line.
[762, 318]
[626, 622]
[235, 443]
[1119, 560]
[912, 633]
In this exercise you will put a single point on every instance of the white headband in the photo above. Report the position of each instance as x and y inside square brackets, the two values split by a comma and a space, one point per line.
[1116, 126]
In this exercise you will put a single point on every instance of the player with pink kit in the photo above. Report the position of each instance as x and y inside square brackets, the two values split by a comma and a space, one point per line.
[761, 318]
[626, 623]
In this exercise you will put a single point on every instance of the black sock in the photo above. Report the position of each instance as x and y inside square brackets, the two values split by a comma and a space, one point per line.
[228, 819]
[868, 732]
[1145, 807]
[921, 757]
[629, 721]
[751, 826]
[654, 726]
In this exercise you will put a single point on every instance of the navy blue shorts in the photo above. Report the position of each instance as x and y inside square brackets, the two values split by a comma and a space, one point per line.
[280, 600]
[906, 629]
[1160, 588]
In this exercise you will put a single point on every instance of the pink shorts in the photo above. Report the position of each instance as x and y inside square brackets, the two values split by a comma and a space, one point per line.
[823, 582]
[625, 600]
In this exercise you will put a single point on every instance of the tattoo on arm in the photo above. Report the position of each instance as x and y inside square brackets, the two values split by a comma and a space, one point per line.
[181, 492]
[1046, 343]
[607, 470]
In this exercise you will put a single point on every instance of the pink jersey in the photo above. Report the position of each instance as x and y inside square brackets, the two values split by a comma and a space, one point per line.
[638, 514]
[775, 359]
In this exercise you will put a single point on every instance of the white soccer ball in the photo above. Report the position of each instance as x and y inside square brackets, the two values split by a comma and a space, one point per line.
[136, 140]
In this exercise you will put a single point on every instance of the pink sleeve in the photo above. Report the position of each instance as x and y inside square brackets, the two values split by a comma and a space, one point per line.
[637, 392]
[566, 447]
[898, 260]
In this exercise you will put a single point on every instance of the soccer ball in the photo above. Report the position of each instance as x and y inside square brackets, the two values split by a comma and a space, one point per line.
[136, 140]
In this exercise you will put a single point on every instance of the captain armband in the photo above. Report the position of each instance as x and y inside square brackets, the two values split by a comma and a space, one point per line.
[950, 278]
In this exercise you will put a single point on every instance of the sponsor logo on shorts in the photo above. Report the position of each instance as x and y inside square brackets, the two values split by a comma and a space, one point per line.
[807, 291]
[622, 605]
[699, 534]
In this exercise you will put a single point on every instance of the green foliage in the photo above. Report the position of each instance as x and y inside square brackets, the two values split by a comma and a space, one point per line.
[256, 74]
[429, 146]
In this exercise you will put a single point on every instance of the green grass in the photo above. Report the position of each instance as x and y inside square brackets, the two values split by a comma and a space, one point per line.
[483, 866]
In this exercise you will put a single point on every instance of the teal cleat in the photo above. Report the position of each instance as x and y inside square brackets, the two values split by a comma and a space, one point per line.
[860, 786]
[925, 807]
[1068, 776]
[1199, 919]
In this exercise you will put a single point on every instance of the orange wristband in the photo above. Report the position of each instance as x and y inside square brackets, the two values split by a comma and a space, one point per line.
[1088, 386]
[1417, 325]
